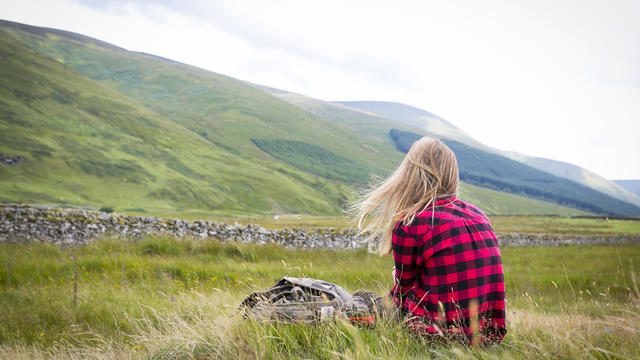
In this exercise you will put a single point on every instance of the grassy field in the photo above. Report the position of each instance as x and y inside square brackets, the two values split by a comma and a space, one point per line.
[564, 225]
[164, 298]
[501, 224]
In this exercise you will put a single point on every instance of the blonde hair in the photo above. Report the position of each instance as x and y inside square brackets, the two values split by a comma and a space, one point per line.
[428, 171]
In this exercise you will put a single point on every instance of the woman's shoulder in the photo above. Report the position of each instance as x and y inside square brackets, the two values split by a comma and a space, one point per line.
[442, 213]
[448, 210]
[465, 209]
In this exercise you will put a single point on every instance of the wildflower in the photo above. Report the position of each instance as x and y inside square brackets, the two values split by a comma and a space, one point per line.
[608, 330]
[41, 334]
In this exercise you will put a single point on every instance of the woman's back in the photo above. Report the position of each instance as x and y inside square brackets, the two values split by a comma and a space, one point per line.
[449, 271]
[448, 266]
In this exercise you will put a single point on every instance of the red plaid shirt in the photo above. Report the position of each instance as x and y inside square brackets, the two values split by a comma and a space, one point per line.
[447, 260]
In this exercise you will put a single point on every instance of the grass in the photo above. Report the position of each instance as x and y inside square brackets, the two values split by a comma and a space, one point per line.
[501, 224]
[165, 298]
[494, 202]
[564, 225]
[317, 160]
[365, 123]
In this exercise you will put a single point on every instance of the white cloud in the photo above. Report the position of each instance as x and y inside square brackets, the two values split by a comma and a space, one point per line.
[557, 79]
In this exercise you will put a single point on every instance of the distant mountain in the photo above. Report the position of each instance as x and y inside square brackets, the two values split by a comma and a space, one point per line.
[630, 185]
[426, 121]
[378, 127]
[96, 125]
[365, 123]
[500, 173]
[415, 118]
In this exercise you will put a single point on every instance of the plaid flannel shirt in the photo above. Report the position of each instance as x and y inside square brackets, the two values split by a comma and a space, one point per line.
[448, 269]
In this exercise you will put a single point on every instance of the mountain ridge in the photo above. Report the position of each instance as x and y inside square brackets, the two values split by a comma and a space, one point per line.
[555, 167]
[225, 173]
[338, 113]
[501, 173]
[632, 185]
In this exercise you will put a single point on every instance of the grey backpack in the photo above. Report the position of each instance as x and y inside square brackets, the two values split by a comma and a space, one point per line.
[308, 301]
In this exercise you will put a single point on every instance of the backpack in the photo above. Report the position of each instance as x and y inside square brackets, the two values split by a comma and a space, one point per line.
[310, 301]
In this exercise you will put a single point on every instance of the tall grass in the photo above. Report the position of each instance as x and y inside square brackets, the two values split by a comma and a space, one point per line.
[200, 327]
[167, 298]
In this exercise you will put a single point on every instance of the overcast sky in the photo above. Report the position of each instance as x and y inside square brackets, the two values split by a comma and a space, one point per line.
[557, 79]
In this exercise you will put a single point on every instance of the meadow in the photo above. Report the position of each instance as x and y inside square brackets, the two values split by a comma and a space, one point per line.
[160, 297]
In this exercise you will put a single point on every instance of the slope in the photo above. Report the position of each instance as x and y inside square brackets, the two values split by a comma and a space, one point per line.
[378, 127]
[500, 173]
[86, 144]
[371, 125]
[426, 121]
[224, 111]
[415, 118]
[630, 185]
[172, 137]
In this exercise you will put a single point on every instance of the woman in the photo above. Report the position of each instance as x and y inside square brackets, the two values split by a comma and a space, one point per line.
[448, 269]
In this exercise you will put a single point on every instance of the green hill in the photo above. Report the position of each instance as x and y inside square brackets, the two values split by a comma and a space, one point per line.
[417, 119]
[378, 127]
[99, 126]
[224, 111]
[424, 121]
[503, 174]
[87, 144]
[365, 123]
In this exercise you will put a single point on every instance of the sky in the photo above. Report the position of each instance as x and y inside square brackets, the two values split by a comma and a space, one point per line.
[556, 79]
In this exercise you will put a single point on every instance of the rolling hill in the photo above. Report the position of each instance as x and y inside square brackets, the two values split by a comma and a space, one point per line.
[415, 118]
[371, 125]
[500, 173]
[86, 143]
[630, 185]
[432, 124]
[98, 125]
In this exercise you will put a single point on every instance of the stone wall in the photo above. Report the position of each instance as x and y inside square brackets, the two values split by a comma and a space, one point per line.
[24, 223]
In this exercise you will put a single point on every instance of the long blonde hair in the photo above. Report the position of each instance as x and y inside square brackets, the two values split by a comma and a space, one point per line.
[428, 171]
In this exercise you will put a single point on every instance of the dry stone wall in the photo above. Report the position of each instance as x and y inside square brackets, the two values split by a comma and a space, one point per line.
[25, 223]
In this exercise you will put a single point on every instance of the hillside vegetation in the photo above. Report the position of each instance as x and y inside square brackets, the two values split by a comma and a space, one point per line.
[500, 173]
[365, 123]
[418, 119]
[316, 160]
[377, 127]
[100, 126]
[425, 122]
[87, 144]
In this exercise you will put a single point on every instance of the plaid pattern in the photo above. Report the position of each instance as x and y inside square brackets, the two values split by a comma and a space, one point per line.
[448, 268]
